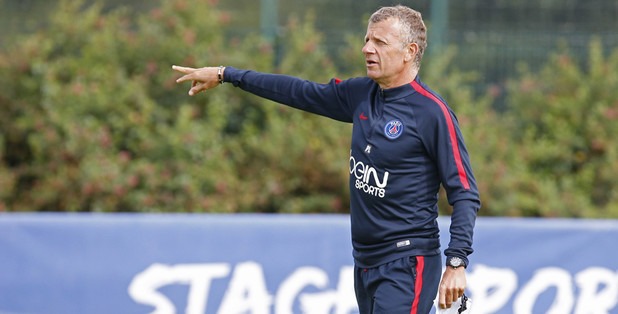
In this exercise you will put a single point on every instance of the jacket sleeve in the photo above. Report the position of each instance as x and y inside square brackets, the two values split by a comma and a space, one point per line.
[448, 150]
[323, 99]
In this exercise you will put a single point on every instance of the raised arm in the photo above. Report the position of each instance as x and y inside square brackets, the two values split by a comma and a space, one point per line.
[329, 100]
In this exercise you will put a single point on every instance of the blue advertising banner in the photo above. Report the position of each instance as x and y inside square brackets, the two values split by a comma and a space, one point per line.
[228, 264]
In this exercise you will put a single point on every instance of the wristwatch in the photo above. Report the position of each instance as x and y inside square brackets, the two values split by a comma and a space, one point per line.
[455, 262]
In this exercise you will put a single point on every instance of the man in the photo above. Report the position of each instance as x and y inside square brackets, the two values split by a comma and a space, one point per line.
[405, 143]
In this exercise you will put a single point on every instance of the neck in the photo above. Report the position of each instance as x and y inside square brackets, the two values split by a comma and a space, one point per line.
[405, 78]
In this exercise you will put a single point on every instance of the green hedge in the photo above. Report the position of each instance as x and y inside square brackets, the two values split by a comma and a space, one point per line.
[94, 121]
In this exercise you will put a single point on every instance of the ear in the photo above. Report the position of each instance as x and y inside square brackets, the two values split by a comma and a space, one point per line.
[411, 51]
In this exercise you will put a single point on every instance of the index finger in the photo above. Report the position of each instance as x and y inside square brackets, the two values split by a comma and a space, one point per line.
[185, 70]
[189, 73]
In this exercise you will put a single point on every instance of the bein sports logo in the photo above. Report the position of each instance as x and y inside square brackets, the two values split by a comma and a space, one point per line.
[367, 178]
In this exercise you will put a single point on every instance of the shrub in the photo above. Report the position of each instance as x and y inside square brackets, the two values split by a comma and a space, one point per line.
[94, 121]
[566, 130]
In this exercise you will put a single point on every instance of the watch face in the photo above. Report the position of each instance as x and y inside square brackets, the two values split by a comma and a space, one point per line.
[455, 262]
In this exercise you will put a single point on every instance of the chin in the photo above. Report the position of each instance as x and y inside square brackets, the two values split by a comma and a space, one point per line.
[372, 75]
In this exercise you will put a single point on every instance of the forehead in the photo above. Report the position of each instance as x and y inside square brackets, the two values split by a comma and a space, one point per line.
[389, 28]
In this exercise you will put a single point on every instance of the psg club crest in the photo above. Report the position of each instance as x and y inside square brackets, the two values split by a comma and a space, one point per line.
[393, 129]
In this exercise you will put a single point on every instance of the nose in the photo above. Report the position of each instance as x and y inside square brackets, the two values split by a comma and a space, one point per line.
[368, 48]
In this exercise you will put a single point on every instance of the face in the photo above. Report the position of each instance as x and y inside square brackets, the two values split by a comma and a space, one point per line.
[387, 59]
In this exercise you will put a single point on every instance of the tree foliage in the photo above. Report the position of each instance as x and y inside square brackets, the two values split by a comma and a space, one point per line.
[94, 121]
[566, 126]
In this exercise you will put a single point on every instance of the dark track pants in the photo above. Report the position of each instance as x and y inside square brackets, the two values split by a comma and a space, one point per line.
[405, 286]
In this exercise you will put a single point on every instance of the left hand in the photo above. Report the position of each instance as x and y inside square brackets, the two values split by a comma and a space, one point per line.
[452, 286]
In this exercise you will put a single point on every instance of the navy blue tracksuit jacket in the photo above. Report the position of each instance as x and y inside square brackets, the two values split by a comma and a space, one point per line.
[405, 143]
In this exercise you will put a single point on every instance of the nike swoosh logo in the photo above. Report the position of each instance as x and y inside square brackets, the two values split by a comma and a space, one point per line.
[363, 116]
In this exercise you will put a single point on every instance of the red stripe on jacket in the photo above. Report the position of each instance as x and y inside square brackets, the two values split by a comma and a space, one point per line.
[463, 177]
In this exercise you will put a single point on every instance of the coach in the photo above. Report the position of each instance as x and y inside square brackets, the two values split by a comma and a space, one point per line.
[406, 142]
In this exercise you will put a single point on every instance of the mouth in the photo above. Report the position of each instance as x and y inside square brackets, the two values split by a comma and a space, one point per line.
[370, 63]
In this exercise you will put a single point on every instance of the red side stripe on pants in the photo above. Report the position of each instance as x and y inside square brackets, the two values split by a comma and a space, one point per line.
[418, 284]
